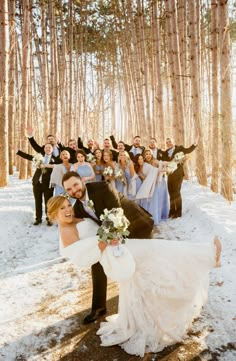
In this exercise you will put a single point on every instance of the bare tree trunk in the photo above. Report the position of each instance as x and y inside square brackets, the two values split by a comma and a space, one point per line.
[158, 111]
[11, 102]
[215, 98]
[44, 71]
[4, 58]
[173, 60]
[195, 93]
[25, 83]
[53, 70]
[225, 102]
[144, 66]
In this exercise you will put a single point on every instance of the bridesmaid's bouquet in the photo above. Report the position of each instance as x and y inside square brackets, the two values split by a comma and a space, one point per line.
[119, 174]
[114, 229]
[108, 171]
[179, 157]
[38, 159]
[90, 158]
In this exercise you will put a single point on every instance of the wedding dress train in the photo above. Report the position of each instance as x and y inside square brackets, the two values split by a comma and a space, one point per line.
[159, 294]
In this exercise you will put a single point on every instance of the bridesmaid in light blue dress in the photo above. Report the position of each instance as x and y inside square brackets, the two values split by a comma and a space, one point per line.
[129, 182]
[109, 166]
[58, 171]
[98, 165]
[148, 194]
[84, 169]
[163, 197]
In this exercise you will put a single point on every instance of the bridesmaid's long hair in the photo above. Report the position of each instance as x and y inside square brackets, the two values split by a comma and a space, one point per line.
[136, 165]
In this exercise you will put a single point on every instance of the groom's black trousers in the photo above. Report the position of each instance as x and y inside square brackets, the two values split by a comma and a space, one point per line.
[99, 287]
[99, 278]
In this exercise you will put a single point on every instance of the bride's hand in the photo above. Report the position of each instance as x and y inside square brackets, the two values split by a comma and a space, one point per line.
[114, 242]
[102, 245]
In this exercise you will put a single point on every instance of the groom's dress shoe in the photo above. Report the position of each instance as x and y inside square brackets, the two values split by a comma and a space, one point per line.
[94, 315]
[36, 223]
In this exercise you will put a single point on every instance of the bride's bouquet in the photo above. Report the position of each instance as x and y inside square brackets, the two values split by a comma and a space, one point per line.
[38, 159]
[114, 229]
[117, 260]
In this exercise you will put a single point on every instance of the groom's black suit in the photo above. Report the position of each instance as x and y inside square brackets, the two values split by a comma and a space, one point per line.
[141, 225]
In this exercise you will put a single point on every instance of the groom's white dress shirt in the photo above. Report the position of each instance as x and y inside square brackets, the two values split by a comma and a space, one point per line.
[88, 209]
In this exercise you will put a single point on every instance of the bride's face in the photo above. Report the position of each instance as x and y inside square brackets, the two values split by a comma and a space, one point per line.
[65, 213]
[75, 188]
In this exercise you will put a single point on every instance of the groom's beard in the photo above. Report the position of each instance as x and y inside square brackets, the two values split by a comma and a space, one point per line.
[79, 194]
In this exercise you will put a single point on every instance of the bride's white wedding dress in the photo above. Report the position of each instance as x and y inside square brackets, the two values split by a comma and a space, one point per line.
[163, 291]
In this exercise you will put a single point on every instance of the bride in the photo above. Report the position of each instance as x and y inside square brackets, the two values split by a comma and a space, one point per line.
[158, 298]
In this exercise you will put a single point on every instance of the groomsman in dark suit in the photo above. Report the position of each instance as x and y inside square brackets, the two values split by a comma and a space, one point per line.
[132, 149]
[157, 153]
[51, 139]
[175, 179]
[91, 145]
[108, 146]
[104, 196]
[41, 181]
[71, 148]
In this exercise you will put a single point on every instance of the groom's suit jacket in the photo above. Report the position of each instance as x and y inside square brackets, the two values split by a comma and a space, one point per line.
[104, 196]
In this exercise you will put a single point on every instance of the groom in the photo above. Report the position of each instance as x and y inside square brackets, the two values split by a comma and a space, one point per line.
[100, 195]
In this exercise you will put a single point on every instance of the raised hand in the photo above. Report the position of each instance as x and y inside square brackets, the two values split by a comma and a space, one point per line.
[196, 140]
[29, 131]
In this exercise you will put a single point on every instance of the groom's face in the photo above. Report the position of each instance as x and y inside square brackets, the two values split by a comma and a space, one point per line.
[75, 188]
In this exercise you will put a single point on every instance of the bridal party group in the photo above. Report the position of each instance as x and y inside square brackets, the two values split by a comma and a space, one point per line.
[150, 176]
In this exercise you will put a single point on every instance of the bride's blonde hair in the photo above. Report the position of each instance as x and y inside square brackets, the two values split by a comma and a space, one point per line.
[53, 206]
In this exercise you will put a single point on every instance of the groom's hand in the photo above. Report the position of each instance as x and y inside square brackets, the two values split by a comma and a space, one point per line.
[102, 245]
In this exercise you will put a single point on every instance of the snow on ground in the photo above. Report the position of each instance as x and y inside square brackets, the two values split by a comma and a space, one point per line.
[40, 291]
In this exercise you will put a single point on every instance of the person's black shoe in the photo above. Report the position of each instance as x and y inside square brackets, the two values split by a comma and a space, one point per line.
[94, 315]
[36, 223]
[49, 223]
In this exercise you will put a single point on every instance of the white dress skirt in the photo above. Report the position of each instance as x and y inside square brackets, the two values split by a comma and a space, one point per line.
[163, 285]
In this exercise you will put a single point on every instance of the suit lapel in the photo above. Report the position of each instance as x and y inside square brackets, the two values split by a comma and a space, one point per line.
[93, 197]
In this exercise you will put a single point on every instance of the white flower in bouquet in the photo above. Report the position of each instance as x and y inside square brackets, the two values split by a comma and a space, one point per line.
[38, 159]
[114, 226]
[90, 158]
[171, 167]
[179, 157]
[108, 171]
[119, 174]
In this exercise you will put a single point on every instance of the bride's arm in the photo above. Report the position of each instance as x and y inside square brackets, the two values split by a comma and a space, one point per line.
[84, 252]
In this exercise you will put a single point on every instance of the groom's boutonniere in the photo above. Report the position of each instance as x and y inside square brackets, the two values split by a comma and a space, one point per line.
[90, 204]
